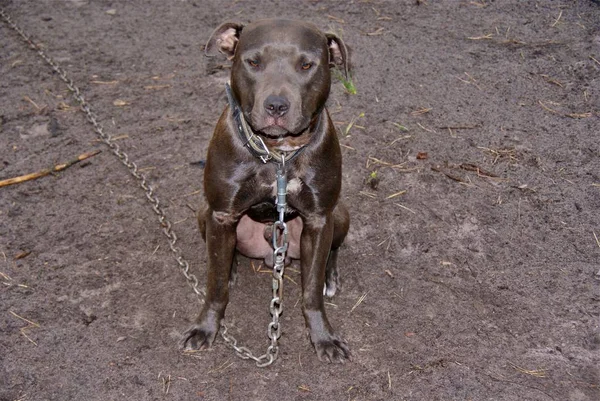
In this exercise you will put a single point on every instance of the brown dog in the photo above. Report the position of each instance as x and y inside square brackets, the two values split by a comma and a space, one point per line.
[280, 81]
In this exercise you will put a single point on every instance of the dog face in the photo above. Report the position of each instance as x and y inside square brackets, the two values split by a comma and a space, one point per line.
[281, 83]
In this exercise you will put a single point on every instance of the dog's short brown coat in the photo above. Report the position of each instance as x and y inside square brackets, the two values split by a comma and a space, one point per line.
[281, 79]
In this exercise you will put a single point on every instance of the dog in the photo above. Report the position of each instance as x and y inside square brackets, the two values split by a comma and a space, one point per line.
[280, 81]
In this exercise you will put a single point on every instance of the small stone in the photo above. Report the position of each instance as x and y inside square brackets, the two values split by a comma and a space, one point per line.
[53, 127]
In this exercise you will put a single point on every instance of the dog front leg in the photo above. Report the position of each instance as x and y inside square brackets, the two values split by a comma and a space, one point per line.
[220, 236]
[316, 240]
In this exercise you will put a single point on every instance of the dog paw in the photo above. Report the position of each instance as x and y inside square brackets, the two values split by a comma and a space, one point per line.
[197, 337]
[334, 350]
[329, 289]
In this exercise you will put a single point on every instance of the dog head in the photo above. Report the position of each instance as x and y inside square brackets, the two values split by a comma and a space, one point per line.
[281, 72]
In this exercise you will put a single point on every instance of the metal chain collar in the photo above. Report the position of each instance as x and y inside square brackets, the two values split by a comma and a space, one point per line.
[274, 328]
[280, 245]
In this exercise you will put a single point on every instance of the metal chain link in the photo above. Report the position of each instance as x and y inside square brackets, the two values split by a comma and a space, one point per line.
[280, 245]
[275, 307]
[274, 328]
[107, 139]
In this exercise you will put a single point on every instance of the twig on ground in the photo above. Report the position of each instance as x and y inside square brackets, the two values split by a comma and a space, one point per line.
[400, 127]
[480, 5]
[104, 82]
[500, 153]
[289, 278]
[196, 192]
[377, 161]
[405, 208]
[447, 174]
[400, 139]
[336, 19]
[43, 173]
[32, 102]
[22, 255]
[370, 195]
[551, 80]
[385, 240]
[488, 36]
[570, 115]
[22, 330]
[557, 19]
[458, 127]
[155, 87]
[377, 32]
[362, 298]
[471, 80]
[536, 373]
[396, 194]
[426, 129]
[166, 383]
[422, 110]
[480, 172]
[221, 368]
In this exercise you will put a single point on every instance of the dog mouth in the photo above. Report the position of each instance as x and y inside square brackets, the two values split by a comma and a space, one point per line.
[274, 132]
[275, 128]
[282, 134]
[279, 128]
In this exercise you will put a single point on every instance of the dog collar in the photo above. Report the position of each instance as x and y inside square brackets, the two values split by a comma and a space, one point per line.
[254, 142]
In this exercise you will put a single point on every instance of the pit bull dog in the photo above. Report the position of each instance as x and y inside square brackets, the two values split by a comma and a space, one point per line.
[280, 81]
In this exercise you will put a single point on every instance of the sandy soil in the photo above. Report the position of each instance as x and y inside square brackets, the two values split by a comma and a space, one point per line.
[472, 172]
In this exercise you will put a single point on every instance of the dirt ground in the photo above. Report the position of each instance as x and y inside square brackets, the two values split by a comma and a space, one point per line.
[471, 170]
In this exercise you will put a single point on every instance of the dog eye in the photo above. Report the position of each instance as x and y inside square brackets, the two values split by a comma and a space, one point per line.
[253, 63]
[306, 66]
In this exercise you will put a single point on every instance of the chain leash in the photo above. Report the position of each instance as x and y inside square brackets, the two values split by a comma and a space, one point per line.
[107, 139]
[274, 328]
[280, 245]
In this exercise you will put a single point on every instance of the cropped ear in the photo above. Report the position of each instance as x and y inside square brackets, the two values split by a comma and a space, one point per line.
[224, 39]
[338, 53]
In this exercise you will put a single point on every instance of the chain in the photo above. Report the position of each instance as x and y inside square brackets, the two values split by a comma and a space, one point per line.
[280, 245]
[279, 253]
[107, 139]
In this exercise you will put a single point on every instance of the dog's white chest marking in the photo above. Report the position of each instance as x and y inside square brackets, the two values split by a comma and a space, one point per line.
[293, 186]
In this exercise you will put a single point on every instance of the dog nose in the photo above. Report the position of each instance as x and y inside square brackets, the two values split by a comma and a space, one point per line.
[276, 106]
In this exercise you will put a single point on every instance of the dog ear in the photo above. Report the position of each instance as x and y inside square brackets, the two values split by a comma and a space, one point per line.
[225, 39]
[338, 53]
